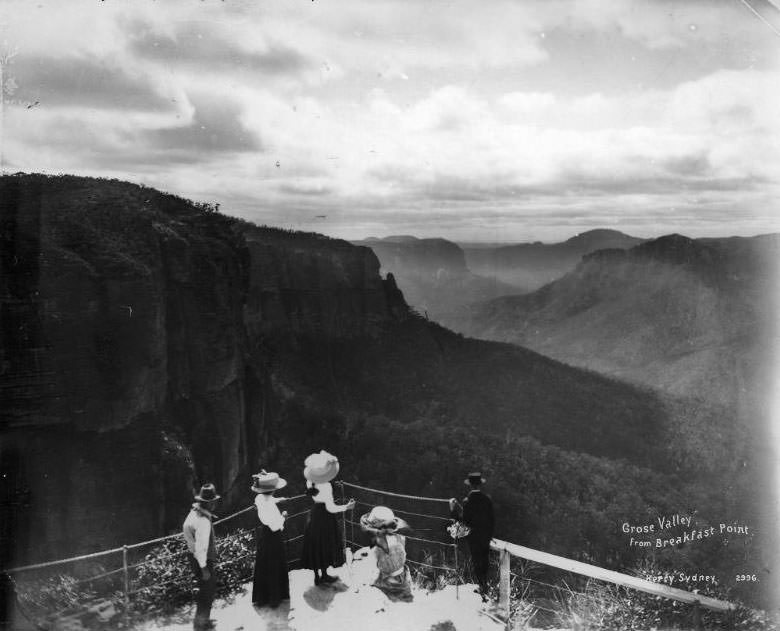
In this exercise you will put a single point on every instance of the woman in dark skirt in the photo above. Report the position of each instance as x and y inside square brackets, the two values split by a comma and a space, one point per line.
[323, 546]
[271, 583]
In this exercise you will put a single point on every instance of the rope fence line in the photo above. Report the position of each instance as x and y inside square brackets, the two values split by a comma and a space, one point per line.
[434, 567]
[171, 555]
[236, 560]
[557, 588]
[440, 543]
[431, 541]
[135, 546]
[294, 515]
[406, 512]
[99, 576]
[83, 557]
[401, 495]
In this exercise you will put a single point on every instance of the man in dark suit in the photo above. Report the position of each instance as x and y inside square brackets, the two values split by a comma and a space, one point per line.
[477, 513]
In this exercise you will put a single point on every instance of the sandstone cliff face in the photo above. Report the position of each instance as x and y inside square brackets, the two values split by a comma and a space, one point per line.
[313, 286]
[135, 354]
[433, 275]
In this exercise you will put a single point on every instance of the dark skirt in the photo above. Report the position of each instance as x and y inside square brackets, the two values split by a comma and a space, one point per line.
[271, 584]
[322, 543]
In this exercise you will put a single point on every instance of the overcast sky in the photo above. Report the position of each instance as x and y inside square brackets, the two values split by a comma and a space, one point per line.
[480, 120]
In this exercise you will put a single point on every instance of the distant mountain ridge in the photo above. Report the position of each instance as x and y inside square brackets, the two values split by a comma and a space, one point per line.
[432, 273]
[528, 266]
[410, 255]
[438, 276]
[620, 311]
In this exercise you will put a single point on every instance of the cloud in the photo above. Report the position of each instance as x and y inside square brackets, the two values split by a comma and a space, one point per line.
[205, 47]
[311, 189]
[86, 81]
[659, 24]
[196, 136]
[215, 126]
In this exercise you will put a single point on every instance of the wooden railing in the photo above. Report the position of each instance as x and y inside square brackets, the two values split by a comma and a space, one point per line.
[508, 550]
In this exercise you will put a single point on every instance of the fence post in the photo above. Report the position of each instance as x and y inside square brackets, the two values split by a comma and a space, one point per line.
[697, 617]
[347, 550]
[457, 574]
[343, 520]
[126, 574]
[504, 583]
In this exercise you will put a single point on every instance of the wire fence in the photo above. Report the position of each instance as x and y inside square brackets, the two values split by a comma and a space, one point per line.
[431, 552]
[149, 576]
[155, 575]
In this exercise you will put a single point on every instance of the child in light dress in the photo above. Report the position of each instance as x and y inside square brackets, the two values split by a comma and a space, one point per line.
[390, 550]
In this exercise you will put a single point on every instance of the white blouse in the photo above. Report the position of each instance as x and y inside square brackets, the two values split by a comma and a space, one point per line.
[268, 511]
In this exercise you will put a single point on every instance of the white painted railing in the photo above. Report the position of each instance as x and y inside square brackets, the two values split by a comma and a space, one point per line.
[508, 550]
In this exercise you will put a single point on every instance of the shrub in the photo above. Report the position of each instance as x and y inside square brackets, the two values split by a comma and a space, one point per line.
[165, 579]
[54, 593]
[610, 608]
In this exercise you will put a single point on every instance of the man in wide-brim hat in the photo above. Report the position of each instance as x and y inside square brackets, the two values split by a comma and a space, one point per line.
[198, 534]
[477, 514]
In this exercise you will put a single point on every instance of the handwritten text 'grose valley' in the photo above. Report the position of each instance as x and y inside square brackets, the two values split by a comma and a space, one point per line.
[690, 534]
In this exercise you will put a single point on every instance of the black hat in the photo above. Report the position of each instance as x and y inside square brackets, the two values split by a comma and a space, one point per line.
[474, 479]
[208, 493]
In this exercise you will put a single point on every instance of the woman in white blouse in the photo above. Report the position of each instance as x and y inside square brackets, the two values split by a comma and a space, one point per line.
[322, 543]
[271, 583]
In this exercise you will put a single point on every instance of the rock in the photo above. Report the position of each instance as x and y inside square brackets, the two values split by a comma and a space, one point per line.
[134, 351]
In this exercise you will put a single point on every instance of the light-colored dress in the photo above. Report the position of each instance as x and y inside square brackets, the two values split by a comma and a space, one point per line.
[394, 579]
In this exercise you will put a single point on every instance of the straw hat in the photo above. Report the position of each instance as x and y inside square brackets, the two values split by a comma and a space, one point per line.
[265, 482]
[382, 518]
[321, 467]
[208, 493]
